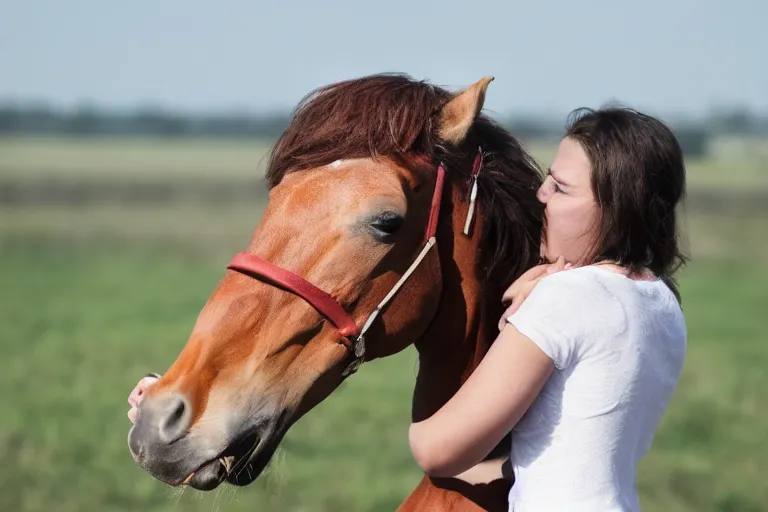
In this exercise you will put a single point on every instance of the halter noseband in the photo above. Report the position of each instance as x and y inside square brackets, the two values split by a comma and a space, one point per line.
[325, 304]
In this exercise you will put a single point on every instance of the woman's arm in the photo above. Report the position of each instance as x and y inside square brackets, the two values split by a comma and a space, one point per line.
[485, 408]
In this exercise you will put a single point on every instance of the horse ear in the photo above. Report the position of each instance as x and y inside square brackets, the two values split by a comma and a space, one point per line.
[460, 112]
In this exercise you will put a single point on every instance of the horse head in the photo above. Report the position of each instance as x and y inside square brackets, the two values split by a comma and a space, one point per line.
[361, 251]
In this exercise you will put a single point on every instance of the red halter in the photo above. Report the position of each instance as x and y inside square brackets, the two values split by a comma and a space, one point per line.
[325, 304]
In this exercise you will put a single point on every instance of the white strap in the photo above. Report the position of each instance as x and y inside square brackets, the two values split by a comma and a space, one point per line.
[471, 212]
[397, 286]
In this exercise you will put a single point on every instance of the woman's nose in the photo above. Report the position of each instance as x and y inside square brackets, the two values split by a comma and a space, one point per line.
[542, 195]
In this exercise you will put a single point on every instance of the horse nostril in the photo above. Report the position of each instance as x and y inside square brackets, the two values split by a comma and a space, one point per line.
[175, 422]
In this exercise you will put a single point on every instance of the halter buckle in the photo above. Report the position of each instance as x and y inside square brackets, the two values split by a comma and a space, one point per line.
[359, 354]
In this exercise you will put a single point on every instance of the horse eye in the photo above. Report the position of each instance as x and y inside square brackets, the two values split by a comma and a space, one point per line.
[387, 223]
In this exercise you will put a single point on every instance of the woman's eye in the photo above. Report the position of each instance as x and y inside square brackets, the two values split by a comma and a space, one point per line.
[555, 185]
[387, 223]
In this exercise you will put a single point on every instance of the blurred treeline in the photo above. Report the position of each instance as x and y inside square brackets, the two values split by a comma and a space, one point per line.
[90, 120]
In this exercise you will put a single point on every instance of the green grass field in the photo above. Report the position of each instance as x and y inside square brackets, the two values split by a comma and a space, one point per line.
[94, 296]
[137, 158]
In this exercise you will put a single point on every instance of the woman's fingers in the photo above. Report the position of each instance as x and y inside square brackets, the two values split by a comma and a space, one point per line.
[517, 301]
[503, 319]
[524, 285]
[530, 275]
[557, 266]
[137, 395]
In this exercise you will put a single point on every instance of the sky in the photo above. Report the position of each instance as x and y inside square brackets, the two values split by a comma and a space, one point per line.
[674, 56]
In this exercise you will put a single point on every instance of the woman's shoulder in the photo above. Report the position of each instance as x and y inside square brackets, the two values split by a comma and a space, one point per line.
[593, 291]
[598, 280]
[575, 295]
[590, 291]
[579, 281]
[569, 313]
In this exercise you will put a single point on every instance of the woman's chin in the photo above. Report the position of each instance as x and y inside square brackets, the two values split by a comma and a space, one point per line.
[545, 256]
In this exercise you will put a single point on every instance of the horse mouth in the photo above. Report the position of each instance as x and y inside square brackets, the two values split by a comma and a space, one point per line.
[236, 465]
[239, 465]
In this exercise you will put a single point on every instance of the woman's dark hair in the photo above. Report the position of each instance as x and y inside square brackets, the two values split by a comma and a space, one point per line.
[638, 178]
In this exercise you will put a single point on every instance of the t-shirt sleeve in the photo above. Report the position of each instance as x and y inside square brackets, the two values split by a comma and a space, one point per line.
[553, 319]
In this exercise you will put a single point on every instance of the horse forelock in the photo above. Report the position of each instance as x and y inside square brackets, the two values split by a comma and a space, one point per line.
[385, 115]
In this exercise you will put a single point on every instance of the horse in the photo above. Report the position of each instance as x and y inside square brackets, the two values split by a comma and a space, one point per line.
[398, 213]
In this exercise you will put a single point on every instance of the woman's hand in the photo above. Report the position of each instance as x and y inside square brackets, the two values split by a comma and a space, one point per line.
[137, 395]
[524, 285]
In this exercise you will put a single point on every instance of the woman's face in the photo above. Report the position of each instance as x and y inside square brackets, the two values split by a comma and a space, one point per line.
[570, 206]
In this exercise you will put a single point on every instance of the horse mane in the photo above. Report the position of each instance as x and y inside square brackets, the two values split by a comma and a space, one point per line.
[392, 115]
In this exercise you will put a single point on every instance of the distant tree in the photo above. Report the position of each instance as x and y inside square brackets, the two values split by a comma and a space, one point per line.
[10, 118]
[86, 120]
[693, 141]
[154, 120]
[737, 120]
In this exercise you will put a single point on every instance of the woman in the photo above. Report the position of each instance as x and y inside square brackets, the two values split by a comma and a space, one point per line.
[592, 345]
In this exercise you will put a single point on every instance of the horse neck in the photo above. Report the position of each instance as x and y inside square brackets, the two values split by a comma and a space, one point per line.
[465, 323]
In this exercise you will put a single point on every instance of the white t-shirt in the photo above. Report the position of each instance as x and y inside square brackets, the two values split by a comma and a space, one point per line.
[618, 347]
